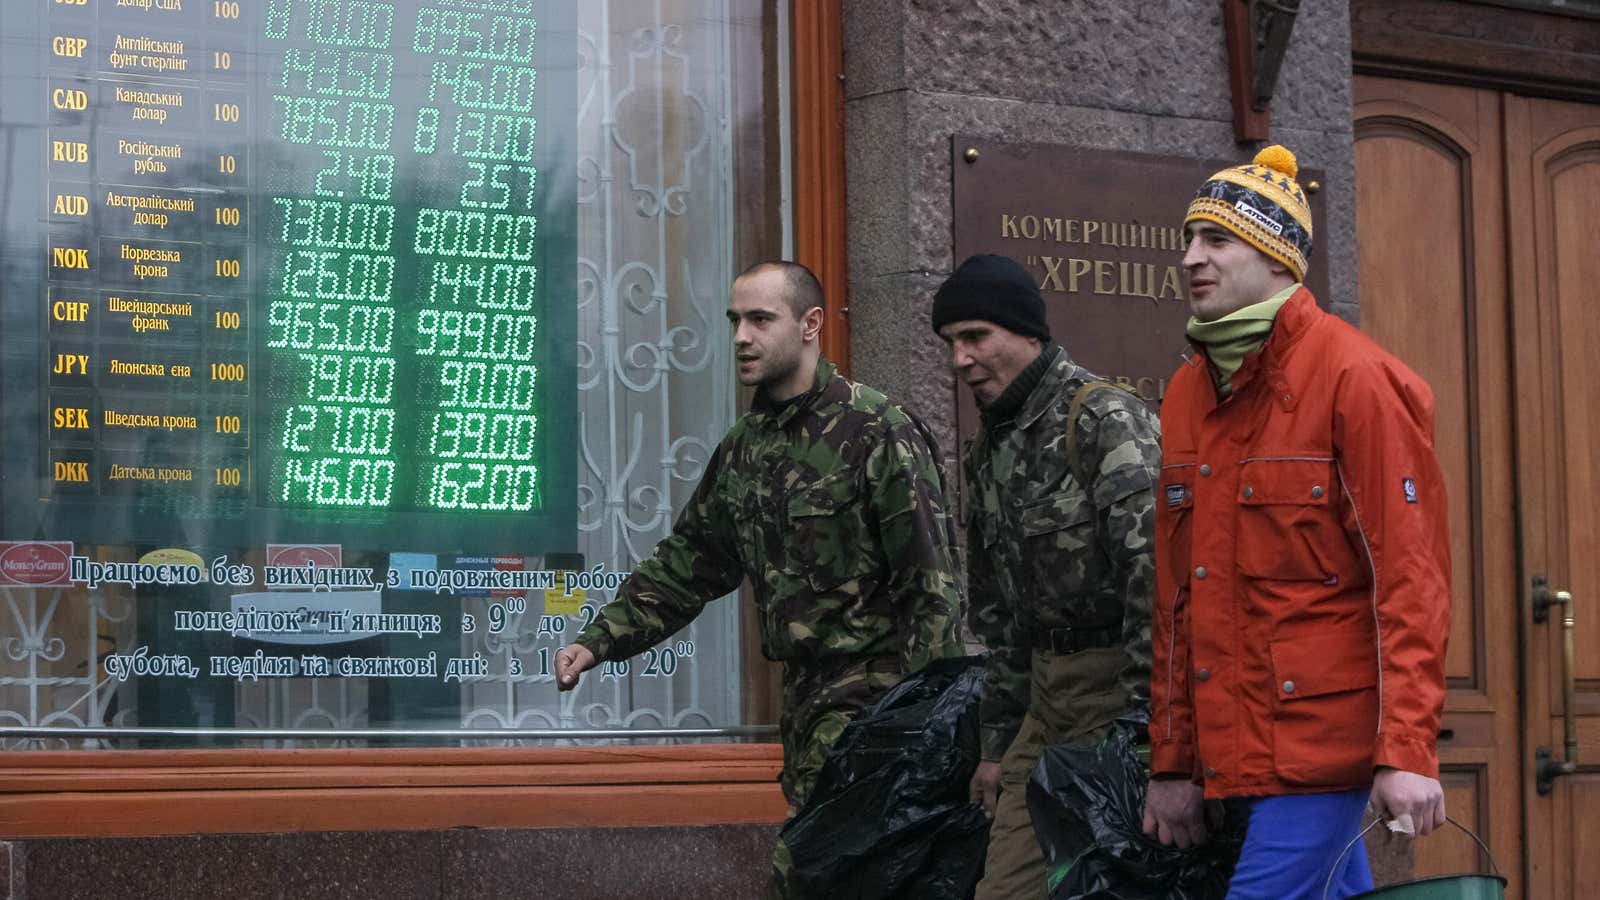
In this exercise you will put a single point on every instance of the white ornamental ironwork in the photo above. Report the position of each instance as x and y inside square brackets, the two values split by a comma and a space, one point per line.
[655, 393]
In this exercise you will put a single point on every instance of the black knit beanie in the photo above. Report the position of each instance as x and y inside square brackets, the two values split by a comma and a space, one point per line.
[995, 289]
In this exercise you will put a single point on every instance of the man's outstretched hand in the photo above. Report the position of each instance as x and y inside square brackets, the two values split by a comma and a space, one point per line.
[571, 661]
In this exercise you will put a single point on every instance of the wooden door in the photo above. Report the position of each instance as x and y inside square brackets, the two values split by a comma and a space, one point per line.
[1553, 193]
[1431, 237]
[1478, 217]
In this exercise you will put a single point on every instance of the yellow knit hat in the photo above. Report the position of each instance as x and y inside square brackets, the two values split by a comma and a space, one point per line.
[1262, 203]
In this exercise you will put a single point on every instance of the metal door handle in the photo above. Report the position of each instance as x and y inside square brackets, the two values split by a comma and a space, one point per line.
[1547, 769]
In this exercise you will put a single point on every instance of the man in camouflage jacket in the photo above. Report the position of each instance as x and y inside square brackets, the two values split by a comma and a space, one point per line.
[830, 500]
[1060, 564]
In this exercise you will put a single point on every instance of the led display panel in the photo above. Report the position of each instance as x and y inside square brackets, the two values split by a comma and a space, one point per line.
[289, 270]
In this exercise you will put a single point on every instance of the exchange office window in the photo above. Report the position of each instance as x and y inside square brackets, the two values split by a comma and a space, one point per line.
[354, 350]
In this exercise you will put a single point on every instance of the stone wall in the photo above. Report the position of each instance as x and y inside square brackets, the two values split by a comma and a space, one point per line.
[1147, 77]
[720, 862]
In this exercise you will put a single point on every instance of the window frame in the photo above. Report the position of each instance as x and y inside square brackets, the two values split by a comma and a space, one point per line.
[128, 793]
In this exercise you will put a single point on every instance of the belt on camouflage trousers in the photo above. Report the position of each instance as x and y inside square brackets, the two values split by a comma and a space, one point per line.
[1071, 640]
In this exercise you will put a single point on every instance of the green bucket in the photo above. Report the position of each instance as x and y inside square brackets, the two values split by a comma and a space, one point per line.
[1441, 887]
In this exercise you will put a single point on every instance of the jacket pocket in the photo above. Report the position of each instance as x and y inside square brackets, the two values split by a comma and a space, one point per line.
[1058, 537]
[1325, 716]
[744, 500]
[1288, 527]
[828, 543]
[1174, 509]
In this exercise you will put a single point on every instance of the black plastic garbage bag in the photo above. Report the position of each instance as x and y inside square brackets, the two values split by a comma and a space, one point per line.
[1087, 805]
[889, 815]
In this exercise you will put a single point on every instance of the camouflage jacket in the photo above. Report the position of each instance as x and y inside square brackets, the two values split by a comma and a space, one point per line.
[1045, 551]
[833, 505]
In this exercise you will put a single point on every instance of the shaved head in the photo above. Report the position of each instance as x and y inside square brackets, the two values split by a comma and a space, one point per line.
[801, 290]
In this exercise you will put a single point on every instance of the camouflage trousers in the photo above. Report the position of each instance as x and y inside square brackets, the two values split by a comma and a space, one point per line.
[819, 700]
[1072, 698]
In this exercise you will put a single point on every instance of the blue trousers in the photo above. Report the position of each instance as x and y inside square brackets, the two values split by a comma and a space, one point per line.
[1292, 844]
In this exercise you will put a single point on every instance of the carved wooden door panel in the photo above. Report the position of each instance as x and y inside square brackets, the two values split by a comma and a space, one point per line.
[1553, 197]
[1478, 216]
[1430, 208]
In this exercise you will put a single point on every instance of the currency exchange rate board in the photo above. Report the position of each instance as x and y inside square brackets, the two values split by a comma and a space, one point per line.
[288, 269]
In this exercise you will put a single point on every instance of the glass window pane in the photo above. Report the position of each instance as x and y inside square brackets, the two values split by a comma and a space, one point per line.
[355, 349]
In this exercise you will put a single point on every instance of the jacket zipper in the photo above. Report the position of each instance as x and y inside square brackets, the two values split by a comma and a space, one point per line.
[1372, 570]
[1172, 642]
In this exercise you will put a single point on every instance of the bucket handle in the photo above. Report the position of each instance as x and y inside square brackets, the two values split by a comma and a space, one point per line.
[1328, 885]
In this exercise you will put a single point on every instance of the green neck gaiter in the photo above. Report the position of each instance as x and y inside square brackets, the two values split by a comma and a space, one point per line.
[1229, 339]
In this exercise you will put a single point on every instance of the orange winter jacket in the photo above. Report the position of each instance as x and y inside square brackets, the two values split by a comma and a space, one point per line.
[1303, 567]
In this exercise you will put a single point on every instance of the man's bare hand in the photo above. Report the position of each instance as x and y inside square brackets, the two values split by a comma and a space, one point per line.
[1396, 793]
[985, 787]
[571, 661]
[1174, 812]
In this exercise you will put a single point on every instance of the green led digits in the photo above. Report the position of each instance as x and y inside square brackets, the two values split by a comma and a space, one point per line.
[349, 379]
[475, 234]
[475, 335]
[481, 86]
[349, 73]
[367, 176]
[478, 324]
[332, 275]
[458, 34]
[476, 385]
[332, 315]
[333, 23]
[427, 139]
[495, 436]
[494, 136]
[406, 335]
[323, 428]
[351, 328]
[338, 481]
[339, 455]
[484, 486]
[496, 286]
[335, 122]
[497, 186]
[519, 7]
[342, 226]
